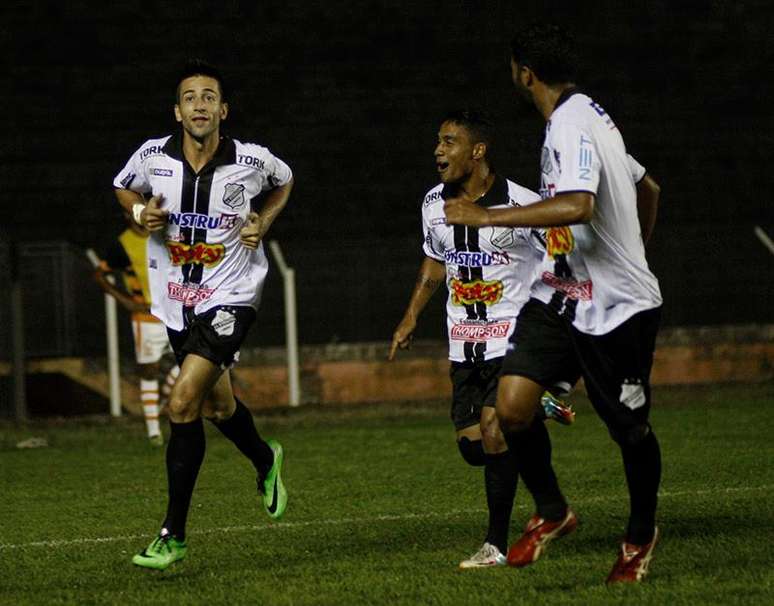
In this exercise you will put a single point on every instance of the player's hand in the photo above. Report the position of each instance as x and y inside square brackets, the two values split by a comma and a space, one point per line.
[402, 336]
[461, 211]
[252, 232]
[154, 218]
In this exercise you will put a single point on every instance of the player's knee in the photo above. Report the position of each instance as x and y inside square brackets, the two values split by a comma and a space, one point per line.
[631, 436]
[515, 419]
[183, 401]
[492, 437]
[472, 451]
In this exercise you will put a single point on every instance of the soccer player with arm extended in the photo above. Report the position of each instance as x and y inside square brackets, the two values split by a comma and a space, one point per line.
[206, 267]
[488, 273]
[594, 298]
[127, 257]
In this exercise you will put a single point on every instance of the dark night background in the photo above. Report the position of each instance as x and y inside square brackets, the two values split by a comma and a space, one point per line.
[350, 94]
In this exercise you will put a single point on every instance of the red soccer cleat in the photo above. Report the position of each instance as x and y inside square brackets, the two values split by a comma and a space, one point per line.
[537, 535]
[632, 563]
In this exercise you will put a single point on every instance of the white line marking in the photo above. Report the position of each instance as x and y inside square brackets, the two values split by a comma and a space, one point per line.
[338, 522]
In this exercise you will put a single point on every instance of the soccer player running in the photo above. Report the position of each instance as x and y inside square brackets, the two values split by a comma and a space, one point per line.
[488, 273]
[207, 267]
[594, 301]
[128, 257]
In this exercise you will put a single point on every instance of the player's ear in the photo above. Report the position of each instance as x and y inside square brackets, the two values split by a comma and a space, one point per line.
[223, 111]
[479, 151]
[178, 117]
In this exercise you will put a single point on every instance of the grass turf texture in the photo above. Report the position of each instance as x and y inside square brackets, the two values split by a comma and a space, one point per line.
[382, 509]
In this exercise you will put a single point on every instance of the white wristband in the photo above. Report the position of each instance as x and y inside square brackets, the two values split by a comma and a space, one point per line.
[137, 212]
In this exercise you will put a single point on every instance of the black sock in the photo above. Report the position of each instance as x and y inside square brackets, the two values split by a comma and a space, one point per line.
[240, 429]
[531, 450]
[500, 479]
[185, 453]
[642, 464]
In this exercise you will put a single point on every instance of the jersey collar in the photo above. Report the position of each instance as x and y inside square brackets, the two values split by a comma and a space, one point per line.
[566, 94]
[496, 195]
[225, 154]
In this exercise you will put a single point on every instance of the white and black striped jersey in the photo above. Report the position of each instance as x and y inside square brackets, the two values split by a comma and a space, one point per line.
[489, 271]
[595, 274]
[198, 260]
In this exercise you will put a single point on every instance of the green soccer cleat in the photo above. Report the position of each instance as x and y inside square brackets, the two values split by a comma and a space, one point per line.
[163, 551]
[271, 488]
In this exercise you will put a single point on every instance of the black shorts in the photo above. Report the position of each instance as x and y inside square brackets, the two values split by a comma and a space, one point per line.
[474, 385]
[615, 366]
[216, 335]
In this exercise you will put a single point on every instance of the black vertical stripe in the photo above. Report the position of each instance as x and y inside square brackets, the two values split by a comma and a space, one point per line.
[202, 208]
[461, 244]
[187, 206]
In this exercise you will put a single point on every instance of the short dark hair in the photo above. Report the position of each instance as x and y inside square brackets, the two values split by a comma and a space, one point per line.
[199, 67]
[547, 50]
[476, 121]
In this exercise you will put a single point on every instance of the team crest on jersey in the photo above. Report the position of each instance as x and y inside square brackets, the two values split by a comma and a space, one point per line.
[501, 237]
[234, 195]
[224, 322]
[545, 161]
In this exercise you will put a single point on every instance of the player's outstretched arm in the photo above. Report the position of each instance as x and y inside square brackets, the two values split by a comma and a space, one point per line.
[648, 192]
[567, 208]
[258, 223]
[432, 274]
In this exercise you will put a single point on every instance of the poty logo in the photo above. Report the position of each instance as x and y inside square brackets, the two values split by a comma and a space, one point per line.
[476, 259]
[250, 161]
[579, 291]
[200, 253]
[479, 332]
[559, 241]
[199, 221]
[188, 294]
[162, 172]
[479, 291]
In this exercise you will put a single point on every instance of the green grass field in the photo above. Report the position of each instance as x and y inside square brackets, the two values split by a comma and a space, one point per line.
[382, 509]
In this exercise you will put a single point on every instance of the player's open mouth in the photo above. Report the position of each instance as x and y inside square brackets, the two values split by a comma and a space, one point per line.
[441, 166]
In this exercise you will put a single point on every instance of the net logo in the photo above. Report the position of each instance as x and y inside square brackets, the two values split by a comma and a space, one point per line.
[479, 333]
[478, 291]
[200, 253]
[199, 221]
[559, 241]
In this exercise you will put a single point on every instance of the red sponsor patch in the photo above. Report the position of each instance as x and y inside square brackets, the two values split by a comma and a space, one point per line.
[201, 253]
[580, 291]
[479, 332]
[188, 295]
[478, 291]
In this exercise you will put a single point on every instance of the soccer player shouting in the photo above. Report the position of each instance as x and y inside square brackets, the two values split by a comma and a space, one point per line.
[594, 300]
[206, 267]
[488, 273]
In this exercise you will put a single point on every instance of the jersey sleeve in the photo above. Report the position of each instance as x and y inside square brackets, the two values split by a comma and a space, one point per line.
[431, 246]
[278, 173]
[576, 152]
[133, 176]
[638, 170]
